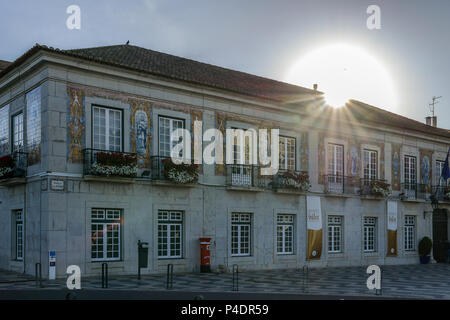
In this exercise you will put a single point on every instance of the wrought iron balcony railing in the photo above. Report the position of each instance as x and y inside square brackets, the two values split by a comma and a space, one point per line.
[163, 168]
[414, 191]
[374, 187]
[442, 193]
[109, 163]
[14, 165]
[291, 180]
[337, 184]
[240, 175]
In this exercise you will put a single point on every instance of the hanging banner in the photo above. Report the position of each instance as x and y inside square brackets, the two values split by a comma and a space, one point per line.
[314, 228]
[392, 228]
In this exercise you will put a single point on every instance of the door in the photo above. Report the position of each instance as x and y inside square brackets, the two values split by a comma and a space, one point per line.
[440, 235]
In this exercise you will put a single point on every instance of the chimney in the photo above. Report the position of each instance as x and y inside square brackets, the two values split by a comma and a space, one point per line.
[315, 86]
[431, 121]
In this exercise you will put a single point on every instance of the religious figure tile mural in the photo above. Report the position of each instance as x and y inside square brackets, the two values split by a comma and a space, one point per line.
[304, 152]
[76, 124]
[425, 167]
[395, 167]
[141, 131]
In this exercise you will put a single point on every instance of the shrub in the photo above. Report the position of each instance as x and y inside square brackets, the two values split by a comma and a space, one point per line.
[425, 246]
[180, 173]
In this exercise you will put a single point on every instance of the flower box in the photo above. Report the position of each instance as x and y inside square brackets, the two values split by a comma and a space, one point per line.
[114, 164]
[292, 180]
[6, 167]
[380, 189]
[180, 173]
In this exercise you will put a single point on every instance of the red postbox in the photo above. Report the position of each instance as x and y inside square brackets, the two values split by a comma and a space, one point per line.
[205, 259]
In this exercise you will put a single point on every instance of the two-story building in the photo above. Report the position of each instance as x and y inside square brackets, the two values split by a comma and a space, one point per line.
[84, 143]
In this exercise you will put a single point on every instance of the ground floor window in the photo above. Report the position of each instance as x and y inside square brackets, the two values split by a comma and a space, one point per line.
[240, 234]
[106, 234]
[370, 234]
[334, 234]
[18, 234]
[170, 234]
[285, 234]
[410, 230]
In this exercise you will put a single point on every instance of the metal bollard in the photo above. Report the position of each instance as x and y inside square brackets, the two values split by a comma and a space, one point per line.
[38, 274]
[305, 278]
[235, 277]
[104, 275]
[169, 280]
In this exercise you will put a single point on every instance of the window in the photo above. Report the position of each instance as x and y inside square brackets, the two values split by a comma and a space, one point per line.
[4, 130]
[170, 234]
[439, 167]
[18, 216]
[285, 234]
[410, 172]
[370, 165]
[17, 132]
[105, 234]
[370, 234]
[287, 153]
[240, 234]
[33, 100]
[334, 234]
[107, 129]
[335, 159]
[410, 228]
[166, 127]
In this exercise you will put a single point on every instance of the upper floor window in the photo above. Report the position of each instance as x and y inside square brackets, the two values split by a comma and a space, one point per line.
[287, 153]
[410, 170]
[370, 165]
[107, 133]
[335, 154]
[17, 132]
[4, 130]
[439, 167]
[166, 127]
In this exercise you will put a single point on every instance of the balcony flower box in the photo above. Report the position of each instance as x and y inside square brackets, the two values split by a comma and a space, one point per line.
[180, 173]
[293, 180]
[380, 188]
[114, 164]
[6, 167]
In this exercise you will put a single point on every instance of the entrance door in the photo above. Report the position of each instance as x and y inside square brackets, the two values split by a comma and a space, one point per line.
[440, 235]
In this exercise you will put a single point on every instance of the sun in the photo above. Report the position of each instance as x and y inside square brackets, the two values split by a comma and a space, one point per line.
[345, 72]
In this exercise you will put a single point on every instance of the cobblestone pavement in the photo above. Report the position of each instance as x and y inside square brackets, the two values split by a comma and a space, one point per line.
[430, 281]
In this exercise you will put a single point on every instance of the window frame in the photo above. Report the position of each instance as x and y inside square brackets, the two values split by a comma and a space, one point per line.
[409, 243]
[19, 246]
[169, 223]
[286, 158]
[334, 161]
[240, 226]
[13, 133]
[410, 170]
[183, 121]
[367, 225]
[290, 224]
[438, 181]
[370, 166]
[105, 222]
[332, 228]
[122, 129]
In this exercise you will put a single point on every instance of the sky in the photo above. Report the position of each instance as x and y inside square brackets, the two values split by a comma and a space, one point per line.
[260, 37]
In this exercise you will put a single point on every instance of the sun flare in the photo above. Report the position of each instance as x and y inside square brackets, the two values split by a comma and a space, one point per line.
[345, 72]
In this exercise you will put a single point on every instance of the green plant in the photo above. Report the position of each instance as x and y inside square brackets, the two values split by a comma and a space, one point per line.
[425, 246]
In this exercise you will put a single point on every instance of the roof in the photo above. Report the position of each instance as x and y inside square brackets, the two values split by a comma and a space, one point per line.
[4, 64]
[182, 69]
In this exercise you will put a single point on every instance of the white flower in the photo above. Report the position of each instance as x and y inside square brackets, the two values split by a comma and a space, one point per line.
[114, 170]
[180, 176]
[5, 170]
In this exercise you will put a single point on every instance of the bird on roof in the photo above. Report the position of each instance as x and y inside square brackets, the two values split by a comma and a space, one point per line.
[128, 42]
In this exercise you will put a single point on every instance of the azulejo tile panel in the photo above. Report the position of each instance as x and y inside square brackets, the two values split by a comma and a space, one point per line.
[76, 125]
[140, 130]
[33, 105]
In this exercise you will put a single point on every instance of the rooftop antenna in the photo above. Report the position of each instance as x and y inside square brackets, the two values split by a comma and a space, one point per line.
[431, 105]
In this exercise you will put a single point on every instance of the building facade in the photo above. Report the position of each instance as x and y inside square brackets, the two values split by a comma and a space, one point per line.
[84, 135]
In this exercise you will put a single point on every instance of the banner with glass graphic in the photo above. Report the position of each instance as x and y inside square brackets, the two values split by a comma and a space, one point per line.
[314, 228]
[392, 228]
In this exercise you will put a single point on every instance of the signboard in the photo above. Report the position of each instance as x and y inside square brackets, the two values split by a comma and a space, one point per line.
[51, 265]
[392, 228]
[57, 185]
[314, 228]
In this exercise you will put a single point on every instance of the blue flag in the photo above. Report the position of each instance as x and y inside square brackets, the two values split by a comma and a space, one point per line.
[446, 170]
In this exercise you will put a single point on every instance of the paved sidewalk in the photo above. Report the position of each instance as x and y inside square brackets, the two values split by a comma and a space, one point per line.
[430, 281]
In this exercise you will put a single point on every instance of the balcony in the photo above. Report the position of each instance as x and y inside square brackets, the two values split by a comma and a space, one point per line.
[337, 184]
[413, 191]
[13, 168]
[290, 181]
[246, 177]
[374, 188]
[107, 165]
[165, 171]
[442, 193]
